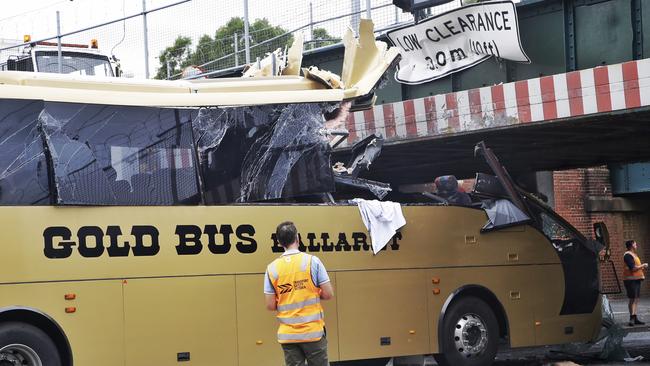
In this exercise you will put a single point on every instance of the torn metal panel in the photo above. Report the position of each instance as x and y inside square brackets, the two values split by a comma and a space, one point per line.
[365, 60]
[364, 153]
[327, 78]
[294, 56]
[23, 164]
[271, 65]
[109, 155]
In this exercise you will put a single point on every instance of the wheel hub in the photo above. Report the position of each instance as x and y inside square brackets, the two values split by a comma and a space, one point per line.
[19, 355]
[470, 335]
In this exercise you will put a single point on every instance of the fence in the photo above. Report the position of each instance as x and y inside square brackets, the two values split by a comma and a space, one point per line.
[160, 38]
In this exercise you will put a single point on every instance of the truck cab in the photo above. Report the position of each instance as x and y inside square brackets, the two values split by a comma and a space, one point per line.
[77, 59]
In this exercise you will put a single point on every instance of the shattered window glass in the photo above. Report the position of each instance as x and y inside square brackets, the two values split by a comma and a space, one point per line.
[559, 235]
[23, 164]
[117, 155]
[263, 152]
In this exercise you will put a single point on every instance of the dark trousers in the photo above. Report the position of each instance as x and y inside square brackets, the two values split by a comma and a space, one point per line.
[315, 353]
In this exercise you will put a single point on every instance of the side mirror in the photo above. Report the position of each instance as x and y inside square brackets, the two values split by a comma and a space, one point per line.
[601, 234]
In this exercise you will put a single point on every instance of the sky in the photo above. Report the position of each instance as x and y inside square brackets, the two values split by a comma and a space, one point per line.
[193, 19]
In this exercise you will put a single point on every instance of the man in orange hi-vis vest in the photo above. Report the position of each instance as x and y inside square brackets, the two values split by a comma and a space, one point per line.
[632, 277]
[294, 285]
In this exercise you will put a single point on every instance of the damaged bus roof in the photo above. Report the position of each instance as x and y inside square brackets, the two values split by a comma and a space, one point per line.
[366, 60]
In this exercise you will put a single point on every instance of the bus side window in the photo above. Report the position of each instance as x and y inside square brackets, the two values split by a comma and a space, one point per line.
[560, 236]
[117, 155]
[23, 166]
[266, 152]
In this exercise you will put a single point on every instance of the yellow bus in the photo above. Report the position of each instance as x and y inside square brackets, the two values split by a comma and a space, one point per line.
[137, 221]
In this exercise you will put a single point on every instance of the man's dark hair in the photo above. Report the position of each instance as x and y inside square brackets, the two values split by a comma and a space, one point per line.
[286, 233]
[629, 243]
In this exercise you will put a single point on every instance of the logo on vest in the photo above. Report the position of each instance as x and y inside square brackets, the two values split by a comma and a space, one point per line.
[285, 288]
[300, 284]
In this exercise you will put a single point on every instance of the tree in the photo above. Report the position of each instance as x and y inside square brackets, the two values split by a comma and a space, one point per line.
[320, 38]
[175, 54]
[218, 52]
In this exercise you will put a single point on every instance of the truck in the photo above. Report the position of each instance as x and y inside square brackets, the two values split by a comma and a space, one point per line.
[42, 56]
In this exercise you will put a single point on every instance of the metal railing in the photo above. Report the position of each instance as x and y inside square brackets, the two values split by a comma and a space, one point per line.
[179, 34]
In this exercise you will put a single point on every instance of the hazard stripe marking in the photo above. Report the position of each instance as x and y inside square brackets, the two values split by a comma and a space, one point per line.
[578, 93]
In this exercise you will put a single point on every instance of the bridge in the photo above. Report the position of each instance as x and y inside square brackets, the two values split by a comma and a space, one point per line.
[576, 119]
[583, 101]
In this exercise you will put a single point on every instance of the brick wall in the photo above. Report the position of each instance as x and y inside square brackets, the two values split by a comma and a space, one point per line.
[572, 188]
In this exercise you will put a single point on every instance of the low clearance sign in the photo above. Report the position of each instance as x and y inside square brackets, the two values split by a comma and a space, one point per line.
[456, 40]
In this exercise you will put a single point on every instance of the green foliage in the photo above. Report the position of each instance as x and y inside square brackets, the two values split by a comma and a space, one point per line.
[321, 38]
[175, 54]
[222, 44]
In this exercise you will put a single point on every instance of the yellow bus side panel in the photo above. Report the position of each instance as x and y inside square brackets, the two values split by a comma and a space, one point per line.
[331, 322]
[553, 328]
[501, 281]
[165, 316]
[433, 237]
[257, 326]
[95, 330]
[379, 304]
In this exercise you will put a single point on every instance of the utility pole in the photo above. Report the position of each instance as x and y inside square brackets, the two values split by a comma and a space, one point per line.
[146, 40]
[58, 42]
[368, 10]
[236, 43]
[311, 25]
[247, 43]
[169, 65]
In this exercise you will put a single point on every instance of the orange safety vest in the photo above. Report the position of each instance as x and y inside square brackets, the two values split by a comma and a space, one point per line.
[629, 274]
[298, 299]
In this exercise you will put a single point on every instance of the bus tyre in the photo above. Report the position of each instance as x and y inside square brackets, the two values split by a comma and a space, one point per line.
[26, 345]
[470, 334]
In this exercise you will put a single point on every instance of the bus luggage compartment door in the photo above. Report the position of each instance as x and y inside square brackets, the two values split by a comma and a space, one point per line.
[382, 313]
[169, 319]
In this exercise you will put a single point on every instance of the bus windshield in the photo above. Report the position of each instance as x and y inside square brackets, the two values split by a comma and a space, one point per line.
[74, 63]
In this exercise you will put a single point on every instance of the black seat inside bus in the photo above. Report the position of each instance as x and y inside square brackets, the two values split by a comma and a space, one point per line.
[447, 188]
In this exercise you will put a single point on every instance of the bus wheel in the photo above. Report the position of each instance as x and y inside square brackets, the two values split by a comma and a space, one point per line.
[470, 334]
[22, 344]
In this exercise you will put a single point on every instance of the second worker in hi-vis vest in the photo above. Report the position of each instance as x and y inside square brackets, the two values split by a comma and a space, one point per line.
[632, 276]
[294, 285]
